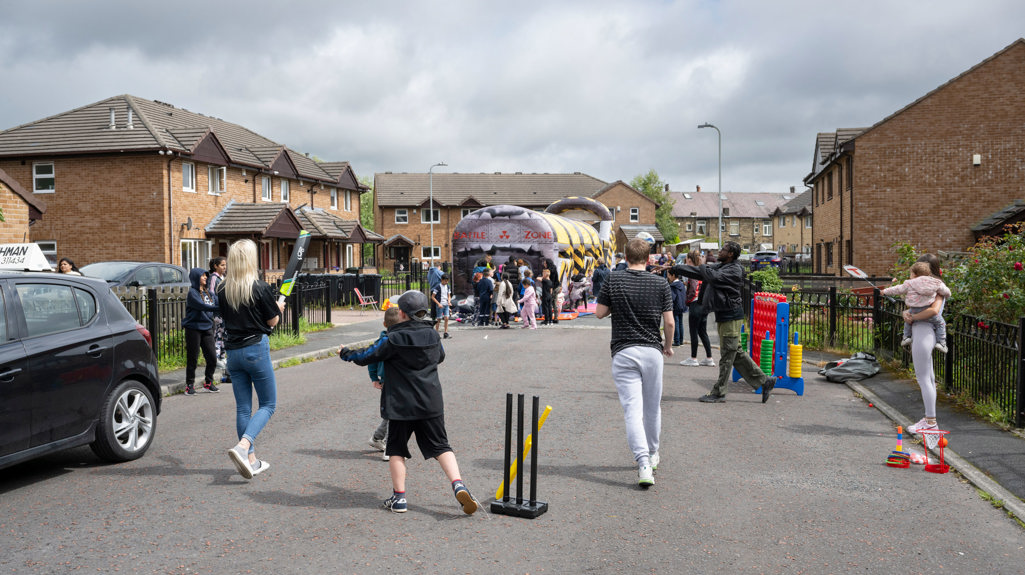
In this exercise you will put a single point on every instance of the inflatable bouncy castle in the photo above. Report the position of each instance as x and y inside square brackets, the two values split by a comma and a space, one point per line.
[573, 233]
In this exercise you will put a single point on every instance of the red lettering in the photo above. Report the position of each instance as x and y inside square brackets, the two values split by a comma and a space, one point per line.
[532, 235]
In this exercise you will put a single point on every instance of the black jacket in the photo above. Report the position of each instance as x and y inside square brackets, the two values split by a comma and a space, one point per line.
[720, 286]
[411, 352]
[199, 313]
[601, 273]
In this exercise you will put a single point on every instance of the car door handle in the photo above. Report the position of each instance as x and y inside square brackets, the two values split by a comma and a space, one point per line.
[9, 374]
[96, 350]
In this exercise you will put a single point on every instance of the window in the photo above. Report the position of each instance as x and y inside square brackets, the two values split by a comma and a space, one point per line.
[334, 200]
[49, 250]
[848, 251]
[807, 222]
[430, 252]
[850, 172]
[188, 177]
[430, 216]
[401, 216]
[689, 226]
[348, 200]
[267, 193]
[52, 308]
[286, 192]
[195, 254]
[43, 178]
[465, 212]
[635, 214]
[766, 228]
[829, 254]
[829, 186]
[701, 225]
[782, 221]
[735, 228]
[216, 179]
[348, 256]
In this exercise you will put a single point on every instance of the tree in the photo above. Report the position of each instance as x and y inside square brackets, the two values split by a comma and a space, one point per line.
[650, 185]
[366, 212]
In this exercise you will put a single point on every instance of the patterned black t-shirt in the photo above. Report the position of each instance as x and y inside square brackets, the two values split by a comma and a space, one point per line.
[636, 299]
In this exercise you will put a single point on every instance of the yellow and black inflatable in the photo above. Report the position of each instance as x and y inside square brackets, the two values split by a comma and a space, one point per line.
[564, 234]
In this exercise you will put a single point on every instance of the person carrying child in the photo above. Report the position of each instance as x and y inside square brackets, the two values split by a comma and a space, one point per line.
[411, 400]
[440, 298]
[379, 439]
[679, 291]
[919, 293]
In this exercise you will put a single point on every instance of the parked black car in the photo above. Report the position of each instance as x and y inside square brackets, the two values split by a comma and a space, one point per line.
[75, 369]
[145, 274]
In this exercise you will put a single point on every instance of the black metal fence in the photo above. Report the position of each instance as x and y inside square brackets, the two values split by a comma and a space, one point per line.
[985, 362]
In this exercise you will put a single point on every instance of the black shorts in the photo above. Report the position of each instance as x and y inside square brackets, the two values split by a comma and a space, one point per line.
[430, 437]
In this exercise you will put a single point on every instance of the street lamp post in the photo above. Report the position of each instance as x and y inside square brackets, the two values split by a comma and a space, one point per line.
[707, 125]
[430, 176]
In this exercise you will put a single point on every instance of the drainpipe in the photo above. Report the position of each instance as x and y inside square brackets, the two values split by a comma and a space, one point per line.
[170, 206]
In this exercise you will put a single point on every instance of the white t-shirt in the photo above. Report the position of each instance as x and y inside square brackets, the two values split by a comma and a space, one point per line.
[444, 295]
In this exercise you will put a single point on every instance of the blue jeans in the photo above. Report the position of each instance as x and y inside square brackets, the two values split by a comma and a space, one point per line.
[250, 369]
[678, 328]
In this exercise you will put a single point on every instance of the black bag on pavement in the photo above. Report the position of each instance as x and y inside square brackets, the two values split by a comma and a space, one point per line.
[859, 366]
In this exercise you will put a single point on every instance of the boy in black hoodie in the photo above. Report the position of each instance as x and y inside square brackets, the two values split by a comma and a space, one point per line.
[199, 331]
[411, 399]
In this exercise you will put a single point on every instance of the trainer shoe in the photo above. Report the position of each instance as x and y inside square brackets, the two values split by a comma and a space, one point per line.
[189, 389]
[691, 362]
[396, 504]
[712, 398]
[653, 458]
[922, 424]
[446, 336]
[240, 457]
[210, 387]
[385, 456]
[259, 467]
[377, 444]
[941, 347]
[708, 362]
[464, 498]
[906, 342]
[645, 476]
[770, 382]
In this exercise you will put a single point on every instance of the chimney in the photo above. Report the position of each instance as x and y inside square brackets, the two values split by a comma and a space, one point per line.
[792, 188]
[699, 188]
[667, 188]
[132, 127]
[111, 126]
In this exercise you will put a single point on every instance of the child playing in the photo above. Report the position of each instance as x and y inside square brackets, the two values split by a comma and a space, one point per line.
[529, 303]
[919, 293]
[412, 401]
[379, 439]
[440, 296]
[679, 291]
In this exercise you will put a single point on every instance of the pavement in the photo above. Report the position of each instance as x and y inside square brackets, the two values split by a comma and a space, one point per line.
[991, 458]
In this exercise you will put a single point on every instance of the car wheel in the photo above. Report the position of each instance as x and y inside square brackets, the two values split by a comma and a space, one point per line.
[127, 423]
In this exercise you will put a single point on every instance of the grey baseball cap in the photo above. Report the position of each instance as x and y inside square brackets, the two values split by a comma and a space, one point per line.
[414, 304]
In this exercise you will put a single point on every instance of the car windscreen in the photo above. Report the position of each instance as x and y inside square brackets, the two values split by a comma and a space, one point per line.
[109, 271]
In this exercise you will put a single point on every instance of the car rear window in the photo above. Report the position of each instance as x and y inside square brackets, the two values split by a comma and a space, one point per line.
[109, 271]
[50, 308]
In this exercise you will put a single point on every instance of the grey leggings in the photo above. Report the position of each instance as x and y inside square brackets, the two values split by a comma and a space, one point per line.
[923, 340]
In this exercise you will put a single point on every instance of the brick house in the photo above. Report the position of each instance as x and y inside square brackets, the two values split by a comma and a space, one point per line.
[792, 225]
[133, 179]
[747, 217]
[927, 174]
[403, 212]
[633, 212]
[20, 209]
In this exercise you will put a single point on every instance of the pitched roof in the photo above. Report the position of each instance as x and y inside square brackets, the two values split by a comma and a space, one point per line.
[264, 219]
[36, 206]
[799, 205]
[631, 231]
[154, 126]
[325, 225]
[739, 204]
[517, 189]
[628, 187]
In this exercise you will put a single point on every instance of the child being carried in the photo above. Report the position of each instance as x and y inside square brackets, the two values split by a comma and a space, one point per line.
[919, 293]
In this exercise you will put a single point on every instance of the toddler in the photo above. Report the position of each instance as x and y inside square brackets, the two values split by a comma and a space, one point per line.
[919, 293]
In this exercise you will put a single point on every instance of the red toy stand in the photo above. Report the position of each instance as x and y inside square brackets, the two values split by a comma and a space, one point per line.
[932, 438]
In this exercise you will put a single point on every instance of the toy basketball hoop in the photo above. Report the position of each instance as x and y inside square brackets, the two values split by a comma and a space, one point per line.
[933, 440]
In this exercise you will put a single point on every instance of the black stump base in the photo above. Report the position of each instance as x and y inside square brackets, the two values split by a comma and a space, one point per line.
[524, 509]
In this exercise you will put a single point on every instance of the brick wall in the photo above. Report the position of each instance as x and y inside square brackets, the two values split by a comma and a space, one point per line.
[624, 197]
[14, 229]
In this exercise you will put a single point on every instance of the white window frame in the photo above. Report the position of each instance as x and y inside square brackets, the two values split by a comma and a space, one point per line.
[689, 226]
[782, 221]
[195, 253]
[807, 222]
[767, 228]
[435, 252]
[349, 256]
[36, 176]
[49, 249]
[427, 213]
[217, 179]
[286, 191]
[635, 214]
[463, 212]
[334, 198]
[347, 202]
[701, 227]
[266, 189]
[401, 216]
[188, 177]
[735, 228]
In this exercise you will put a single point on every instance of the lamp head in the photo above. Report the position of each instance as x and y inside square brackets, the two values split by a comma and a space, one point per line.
[706, 125]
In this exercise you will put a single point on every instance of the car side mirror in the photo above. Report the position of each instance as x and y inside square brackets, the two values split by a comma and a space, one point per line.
[133, 283]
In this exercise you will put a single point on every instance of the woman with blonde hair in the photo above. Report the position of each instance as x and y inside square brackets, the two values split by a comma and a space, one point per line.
[250, 311]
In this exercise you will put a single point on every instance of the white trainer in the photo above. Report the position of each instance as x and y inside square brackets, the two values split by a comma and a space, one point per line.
[645, 476]
[708, 362]
[377, 444]
[653, 458]
[922, 424]
[691, 362]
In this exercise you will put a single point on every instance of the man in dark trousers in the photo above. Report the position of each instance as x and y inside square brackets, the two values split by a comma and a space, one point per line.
[721, 284]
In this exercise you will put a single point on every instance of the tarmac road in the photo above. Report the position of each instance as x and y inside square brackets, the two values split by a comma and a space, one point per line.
[797, 485]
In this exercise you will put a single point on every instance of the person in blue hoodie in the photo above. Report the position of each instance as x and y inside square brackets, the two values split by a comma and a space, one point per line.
[199, 331]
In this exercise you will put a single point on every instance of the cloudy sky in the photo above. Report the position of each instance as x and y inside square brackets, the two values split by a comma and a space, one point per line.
[611, 89]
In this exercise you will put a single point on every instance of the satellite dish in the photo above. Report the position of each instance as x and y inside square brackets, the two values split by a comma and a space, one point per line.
[188, 223]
